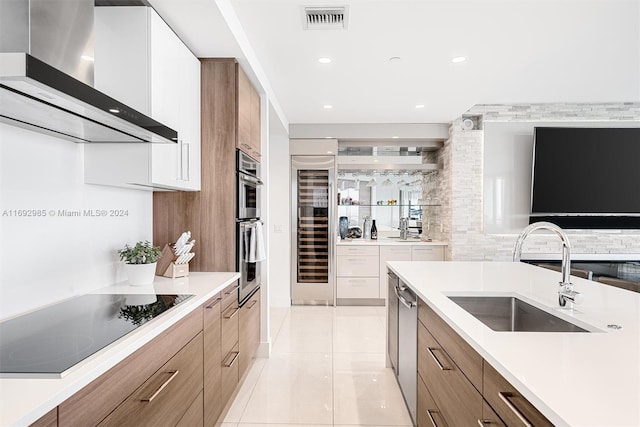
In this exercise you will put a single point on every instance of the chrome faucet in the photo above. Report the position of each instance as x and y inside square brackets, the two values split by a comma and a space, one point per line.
[404, 228]
[566, 292]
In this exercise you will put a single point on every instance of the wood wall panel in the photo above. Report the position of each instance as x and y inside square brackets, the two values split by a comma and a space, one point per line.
[208, 214]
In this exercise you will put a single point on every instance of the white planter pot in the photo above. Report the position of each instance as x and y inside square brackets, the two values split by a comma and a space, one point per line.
[141, 274]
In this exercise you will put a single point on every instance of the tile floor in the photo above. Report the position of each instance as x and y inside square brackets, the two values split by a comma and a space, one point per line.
[327, 367]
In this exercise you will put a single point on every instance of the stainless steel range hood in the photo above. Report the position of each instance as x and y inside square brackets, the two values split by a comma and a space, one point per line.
[46, 77]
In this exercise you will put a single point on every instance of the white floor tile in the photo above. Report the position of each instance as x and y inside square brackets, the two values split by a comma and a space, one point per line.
[306, 330]
[327, 366]
[365, 392]
[359, 330]
[293, 388]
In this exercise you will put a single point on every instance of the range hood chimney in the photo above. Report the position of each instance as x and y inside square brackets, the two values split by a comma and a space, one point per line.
[46, 77]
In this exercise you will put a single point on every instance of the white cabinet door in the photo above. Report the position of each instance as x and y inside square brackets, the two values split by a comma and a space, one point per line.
[400, 252]
[427, 253]
[358, 266]
[141, 62]
[358, 287]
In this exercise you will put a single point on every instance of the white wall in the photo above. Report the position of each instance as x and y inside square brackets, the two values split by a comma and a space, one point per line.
[279, 215]
[48, 258]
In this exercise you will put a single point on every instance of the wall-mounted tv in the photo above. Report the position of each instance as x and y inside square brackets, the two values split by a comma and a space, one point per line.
[586, 178]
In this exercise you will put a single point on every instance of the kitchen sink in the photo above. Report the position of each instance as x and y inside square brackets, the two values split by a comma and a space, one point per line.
[507, 313]
[408, 239]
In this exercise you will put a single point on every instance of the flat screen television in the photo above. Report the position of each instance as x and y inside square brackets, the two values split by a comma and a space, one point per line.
[586, 178]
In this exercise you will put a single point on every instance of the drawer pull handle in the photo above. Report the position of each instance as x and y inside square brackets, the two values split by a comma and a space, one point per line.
[164, 384]
[230, 364]
[229, 316]
[442, 368]
[236, 286]
[483, 423]
[430, 415]
[250, 306]
[504, 396]
[213, 304]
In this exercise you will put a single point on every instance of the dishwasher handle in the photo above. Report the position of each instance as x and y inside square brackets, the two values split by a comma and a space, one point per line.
[403, 300]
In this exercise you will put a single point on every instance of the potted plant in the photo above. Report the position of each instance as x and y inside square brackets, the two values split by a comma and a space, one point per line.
[140, 262]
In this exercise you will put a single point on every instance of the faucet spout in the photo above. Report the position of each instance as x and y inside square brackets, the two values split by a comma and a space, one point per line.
[566, 288]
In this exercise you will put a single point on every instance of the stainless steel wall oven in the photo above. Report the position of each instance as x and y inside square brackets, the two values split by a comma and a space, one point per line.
[248, 187]
[248, 225]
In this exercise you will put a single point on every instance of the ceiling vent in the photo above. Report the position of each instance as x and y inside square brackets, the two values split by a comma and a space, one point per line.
[326, 18]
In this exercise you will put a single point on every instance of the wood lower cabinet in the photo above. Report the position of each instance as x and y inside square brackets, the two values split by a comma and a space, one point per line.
[230, 351]
[428, 414]
[165, 397]
[96, 401]
[456, 386]
[193, 416]
[508, 403]
[249, 332]
[212, 362]
[457, 400]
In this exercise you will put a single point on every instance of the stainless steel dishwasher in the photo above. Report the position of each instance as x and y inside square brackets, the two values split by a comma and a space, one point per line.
[407, 369]
[392, 321]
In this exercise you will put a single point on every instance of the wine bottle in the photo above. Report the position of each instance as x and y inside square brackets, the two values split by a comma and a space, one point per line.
[374, 231]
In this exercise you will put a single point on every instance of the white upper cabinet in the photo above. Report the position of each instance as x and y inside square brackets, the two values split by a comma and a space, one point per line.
[141, 62]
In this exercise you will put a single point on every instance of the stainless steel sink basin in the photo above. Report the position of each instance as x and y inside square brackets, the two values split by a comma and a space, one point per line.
[505, 313]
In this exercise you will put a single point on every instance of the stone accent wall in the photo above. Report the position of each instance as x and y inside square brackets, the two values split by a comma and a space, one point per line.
[460, 185]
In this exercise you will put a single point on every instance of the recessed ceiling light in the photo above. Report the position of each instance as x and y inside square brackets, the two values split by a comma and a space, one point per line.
[114, 110]
[458, 59]
[375, 161]
[395, 137]
[325, 60]
[395, 59]
[329, 152]
[327, 106]
[420, 106]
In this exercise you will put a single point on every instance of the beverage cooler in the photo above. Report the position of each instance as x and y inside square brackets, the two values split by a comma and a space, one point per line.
[313, 230]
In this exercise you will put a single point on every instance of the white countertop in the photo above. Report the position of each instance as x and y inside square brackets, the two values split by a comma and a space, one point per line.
[385, 241]
[577, 379]
[23, 401]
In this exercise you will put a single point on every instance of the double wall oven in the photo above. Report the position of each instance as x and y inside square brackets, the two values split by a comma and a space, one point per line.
[247, 218]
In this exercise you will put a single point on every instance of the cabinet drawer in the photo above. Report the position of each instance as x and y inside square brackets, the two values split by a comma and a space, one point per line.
[212, 360]
[464, 356]
[358, 266]
[357, 250]
[165, 397]
[230, 373]
[489, 417]
[193, 416]
[229, 295]
[428, 414]
[229, 328]
[95, 401]
[249, 332]
[427, 253]
[458, 401]
[510, 405]
[358, 287]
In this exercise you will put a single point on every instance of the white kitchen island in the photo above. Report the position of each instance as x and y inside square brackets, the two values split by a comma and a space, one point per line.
[576, 379]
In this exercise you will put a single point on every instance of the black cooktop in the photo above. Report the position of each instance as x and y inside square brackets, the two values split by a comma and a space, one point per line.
[47, 342]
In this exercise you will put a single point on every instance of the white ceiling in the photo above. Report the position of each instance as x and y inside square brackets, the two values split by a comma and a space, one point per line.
[519, 51]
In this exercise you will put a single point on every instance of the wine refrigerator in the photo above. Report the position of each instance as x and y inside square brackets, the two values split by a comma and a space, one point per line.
[312, 230]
